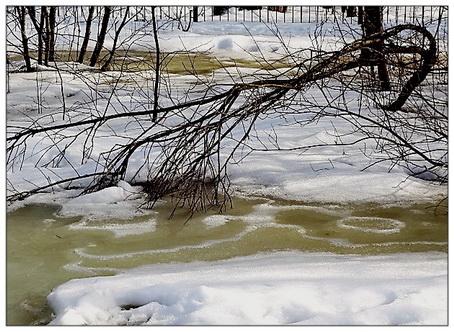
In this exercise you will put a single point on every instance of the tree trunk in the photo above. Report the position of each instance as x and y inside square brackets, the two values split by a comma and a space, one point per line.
[158, 64]
[45, 18]
[372, 24]
[21, 15]
[114, 46]
[83, 48]
[101, 36]
[51, 33]
[195, 14]
[39, 27]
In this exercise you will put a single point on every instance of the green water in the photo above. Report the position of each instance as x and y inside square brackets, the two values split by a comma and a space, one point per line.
[45, 250]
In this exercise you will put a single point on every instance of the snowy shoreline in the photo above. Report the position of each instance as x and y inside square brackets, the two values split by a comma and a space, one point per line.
[267, 289]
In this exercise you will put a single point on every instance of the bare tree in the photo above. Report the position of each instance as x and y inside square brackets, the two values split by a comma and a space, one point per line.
[83, 48]
[373, 24]
[157, 65]
[186, 134]
[51, 33]
[39, 27]
[124, 21]
[21, 12]
[101, 36]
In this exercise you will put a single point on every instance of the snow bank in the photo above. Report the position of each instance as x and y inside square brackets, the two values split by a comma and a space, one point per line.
[279, 288]
[119, 202]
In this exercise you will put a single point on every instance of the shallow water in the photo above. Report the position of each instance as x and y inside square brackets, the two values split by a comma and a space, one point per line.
[45, 250]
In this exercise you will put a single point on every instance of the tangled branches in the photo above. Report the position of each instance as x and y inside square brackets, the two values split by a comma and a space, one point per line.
[184, 152]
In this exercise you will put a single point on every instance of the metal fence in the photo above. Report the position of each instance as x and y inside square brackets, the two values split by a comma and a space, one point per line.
[286, 14]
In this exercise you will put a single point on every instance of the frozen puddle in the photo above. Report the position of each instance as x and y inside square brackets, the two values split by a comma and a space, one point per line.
[278, 288]
[46, 248]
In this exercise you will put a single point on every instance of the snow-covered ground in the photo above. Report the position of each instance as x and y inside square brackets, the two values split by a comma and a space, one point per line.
[278, 288]
[309, 176]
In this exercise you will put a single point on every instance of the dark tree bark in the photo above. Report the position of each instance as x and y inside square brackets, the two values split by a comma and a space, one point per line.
[51, 33]
[195, 14]
[83, 48]
[45, 18]
[373, 24]
[25, 52]
[101, 36]
[158, 64]
[360, 15]
[39, 27]
[114, 46]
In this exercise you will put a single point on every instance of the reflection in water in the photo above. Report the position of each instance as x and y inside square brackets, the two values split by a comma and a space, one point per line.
[45, 250]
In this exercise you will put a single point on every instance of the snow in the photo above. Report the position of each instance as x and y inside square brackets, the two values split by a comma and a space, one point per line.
[322, 174]
[269, 288]
[119, 202]
[265, 289]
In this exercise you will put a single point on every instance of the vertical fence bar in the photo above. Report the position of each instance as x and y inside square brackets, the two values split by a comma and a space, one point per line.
[293, 14]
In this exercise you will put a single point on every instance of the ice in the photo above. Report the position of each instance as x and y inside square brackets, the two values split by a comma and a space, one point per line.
[385, 225]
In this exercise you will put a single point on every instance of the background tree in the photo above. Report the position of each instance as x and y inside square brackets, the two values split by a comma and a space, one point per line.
[124, 21]
[83, 48]
[21, 13]
[101, 36]
[39, 27]
[51, 32]
[373, 24]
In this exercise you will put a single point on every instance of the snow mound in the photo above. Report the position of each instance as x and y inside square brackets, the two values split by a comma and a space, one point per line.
[225, 44]
[119, 202]
[279, 288]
